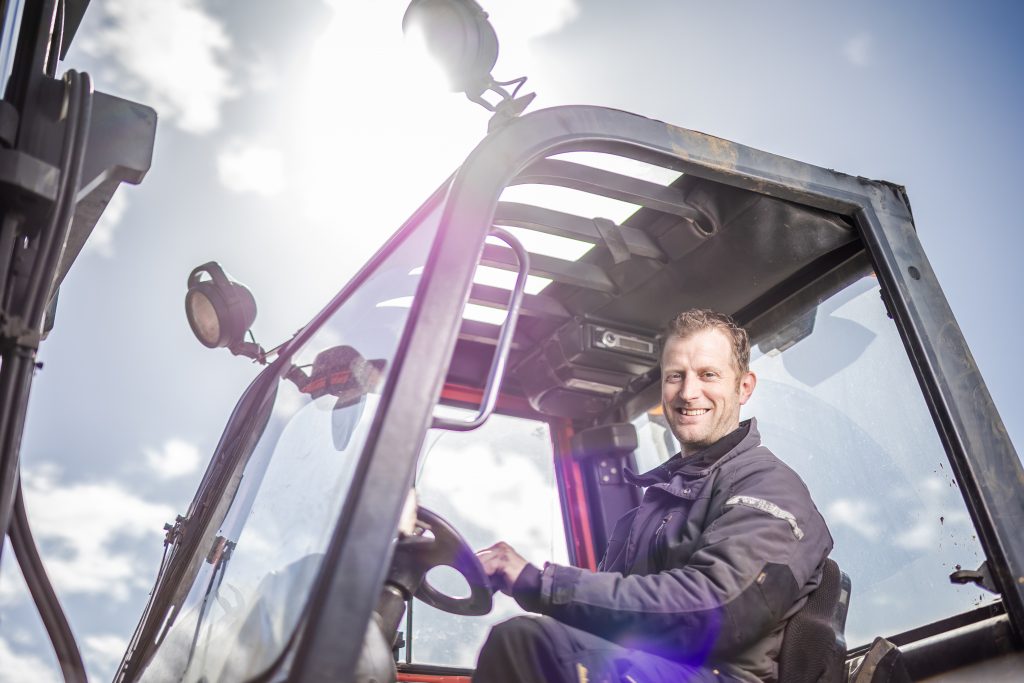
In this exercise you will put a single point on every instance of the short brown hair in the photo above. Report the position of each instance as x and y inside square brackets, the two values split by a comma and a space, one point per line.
[698, 319]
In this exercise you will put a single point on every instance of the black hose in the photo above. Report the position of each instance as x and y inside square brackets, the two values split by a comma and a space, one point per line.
[15, 378]
[39, 586]
[18, 361]
[47, 237]
[54, 240]
[18, 365]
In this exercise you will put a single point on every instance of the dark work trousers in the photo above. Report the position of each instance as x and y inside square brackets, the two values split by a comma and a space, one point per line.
[531, 649]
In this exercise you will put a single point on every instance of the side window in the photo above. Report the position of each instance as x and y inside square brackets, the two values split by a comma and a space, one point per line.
[841, 405]
[496, 483]
[655, 443]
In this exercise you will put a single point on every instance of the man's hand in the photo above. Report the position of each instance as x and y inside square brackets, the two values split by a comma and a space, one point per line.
[503, 564]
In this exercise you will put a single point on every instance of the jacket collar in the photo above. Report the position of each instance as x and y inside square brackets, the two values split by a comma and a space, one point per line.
[703, 462]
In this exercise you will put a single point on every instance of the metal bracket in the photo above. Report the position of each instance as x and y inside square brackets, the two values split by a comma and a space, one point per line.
[220, 552]
[507, 110]
[613, 239]
[980, 576]
[609, 471]
[28, 177]
[14, 333]
[174, 532]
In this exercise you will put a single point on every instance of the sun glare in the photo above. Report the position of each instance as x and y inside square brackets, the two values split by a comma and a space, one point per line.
[378, 131]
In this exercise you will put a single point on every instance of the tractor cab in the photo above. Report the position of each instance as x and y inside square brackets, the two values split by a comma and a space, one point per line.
[494, 369]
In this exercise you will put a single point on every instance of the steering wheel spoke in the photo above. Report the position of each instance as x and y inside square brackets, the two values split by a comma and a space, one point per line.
[417, 555]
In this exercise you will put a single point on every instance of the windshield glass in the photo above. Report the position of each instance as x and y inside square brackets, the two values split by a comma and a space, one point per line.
[843, 408]
[250, 592]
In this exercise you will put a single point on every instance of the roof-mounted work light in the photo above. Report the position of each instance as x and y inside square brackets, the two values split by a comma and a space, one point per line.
[220, 310]
[457, 34]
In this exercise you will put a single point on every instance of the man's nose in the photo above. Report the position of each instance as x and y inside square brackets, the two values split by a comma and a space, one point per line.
[689, 388]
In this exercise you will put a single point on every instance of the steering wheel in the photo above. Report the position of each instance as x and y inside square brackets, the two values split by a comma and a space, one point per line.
[416, 555]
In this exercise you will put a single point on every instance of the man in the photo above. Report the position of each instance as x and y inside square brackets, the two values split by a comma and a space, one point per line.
[698, 582]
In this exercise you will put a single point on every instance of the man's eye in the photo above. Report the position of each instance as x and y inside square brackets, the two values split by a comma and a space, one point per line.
[710, 375]
[673, 377]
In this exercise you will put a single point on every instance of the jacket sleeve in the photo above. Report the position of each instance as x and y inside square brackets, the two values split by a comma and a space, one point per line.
[752, 564]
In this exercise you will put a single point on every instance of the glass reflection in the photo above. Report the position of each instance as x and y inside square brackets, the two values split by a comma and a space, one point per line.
[250, 592]
[844, 409]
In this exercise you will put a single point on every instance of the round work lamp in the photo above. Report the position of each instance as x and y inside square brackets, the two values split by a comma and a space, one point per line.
[459, 37]
[219, 310]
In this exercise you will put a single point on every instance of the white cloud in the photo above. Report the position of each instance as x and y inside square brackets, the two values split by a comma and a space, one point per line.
[21, 636]
[251, 167]
[934, 518]
[104, 652]
[86, 521]
[262, 74]
[177, 458]
[525, 19]
[536, 532]
[101, 241]
[171, 54]
[288, 402]
[857, 49]
[518, 25]
[12, 586]
[18, 666]
[856, 514]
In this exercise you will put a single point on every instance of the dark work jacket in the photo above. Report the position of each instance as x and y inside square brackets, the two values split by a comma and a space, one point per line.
[725, 546]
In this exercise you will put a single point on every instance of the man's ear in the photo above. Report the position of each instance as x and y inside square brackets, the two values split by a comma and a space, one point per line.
[747, 384]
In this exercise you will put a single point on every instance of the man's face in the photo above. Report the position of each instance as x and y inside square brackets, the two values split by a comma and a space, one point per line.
[701, 389]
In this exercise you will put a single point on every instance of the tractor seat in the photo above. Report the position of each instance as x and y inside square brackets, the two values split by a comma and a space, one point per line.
[814, 644]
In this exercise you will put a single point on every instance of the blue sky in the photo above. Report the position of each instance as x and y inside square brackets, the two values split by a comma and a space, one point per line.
[294, 138]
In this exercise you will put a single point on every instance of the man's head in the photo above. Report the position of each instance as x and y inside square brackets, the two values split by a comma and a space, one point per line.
[705, 377]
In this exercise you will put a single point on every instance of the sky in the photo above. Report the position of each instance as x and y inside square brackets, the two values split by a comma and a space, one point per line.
[294, 138]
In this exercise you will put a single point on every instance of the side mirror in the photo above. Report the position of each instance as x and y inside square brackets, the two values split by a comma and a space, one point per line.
[220, 310]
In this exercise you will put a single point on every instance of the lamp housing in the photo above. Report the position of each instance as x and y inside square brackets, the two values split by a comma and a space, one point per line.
[219, 310]
[459, 37]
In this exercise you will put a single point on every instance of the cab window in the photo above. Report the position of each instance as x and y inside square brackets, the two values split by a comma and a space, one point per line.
[840, 404]
[496, 483]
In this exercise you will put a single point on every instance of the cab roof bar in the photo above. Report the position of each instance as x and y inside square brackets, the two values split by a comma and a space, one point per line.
[667, 199]
[574, 273]
[576, 227]
[534, 305]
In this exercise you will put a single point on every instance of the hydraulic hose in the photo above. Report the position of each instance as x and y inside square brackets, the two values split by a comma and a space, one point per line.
[25, 318]
[39, 586]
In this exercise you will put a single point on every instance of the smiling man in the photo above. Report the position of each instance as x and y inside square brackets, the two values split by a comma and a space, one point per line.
[699, 581]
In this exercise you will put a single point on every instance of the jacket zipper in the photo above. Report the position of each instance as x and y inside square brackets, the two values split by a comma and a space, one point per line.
[656, 559]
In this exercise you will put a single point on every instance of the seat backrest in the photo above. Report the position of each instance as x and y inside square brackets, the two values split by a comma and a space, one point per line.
[814, 644]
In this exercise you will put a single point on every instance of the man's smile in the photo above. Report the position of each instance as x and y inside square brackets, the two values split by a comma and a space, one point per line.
[692, 412]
